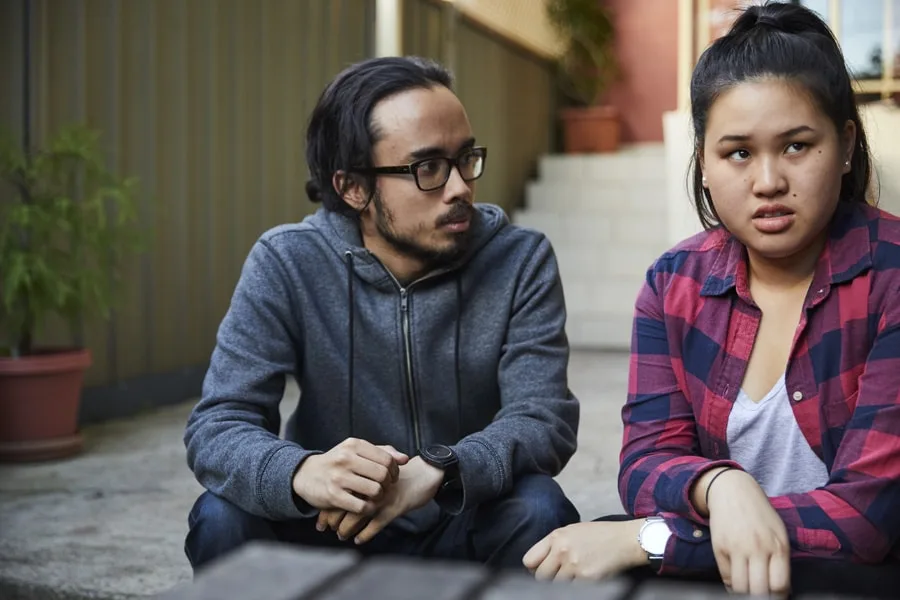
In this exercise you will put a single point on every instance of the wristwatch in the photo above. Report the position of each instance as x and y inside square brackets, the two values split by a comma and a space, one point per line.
[444, 458]
[653, 537]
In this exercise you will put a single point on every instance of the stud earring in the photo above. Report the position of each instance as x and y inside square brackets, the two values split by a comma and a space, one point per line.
[846, 163]
[704, 181]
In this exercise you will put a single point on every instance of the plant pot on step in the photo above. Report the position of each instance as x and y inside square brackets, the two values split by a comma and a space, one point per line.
[590, 129]
[40, 395]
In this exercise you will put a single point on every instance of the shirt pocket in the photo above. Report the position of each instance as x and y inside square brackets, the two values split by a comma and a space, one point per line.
[836, 414]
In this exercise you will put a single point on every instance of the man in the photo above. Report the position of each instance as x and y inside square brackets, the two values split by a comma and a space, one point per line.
[427, 338]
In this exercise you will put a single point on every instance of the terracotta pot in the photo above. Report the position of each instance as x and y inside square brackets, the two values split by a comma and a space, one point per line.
[591, 129]
[40, 396]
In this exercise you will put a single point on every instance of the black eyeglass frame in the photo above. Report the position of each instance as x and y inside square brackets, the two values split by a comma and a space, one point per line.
[413, 167]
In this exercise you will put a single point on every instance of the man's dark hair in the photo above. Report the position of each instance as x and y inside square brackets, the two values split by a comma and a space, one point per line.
[341, 135]
[790, 43]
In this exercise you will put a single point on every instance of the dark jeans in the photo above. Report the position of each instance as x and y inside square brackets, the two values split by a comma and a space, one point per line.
[809, 576]
[497, 533]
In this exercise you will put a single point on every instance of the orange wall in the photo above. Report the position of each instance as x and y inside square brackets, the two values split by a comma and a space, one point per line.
[647, 51]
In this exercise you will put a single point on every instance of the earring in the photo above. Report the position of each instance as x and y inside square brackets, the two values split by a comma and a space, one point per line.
[704, 181]
[847, 163]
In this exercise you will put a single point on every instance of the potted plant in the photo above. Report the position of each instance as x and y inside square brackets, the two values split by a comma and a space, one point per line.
[66, 224]
[586, 66]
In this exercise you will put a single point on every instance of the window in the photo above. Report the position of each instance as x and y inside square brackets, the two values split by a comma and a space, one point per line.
[869, 33]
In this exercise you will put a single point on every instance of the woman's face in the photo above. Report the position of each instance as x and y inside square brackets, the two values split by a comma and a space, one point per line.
[773, 162]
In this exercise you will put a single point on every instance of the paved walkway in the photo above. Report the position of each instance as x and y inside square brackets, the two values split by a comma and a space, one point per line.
[111, 522]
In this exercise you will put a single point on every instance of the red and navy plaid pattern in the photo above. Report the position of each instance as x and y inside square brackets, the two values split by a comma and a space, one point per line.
[694, 328]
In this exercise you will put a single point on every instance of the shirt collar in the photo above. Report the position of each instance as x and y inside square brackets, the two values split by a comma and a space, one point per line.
[847, 253]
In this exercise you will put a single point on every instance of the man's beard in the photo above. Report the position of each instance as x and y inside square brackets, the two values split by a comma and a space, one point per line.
[406, 244]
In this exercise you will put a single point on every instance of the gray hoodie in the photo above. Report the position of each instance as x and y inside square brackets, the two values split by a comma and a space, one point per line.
[473, 356]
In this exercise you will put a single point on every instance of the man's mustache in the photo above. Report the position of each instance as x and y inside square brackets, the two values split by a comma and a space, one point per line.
[460, 211]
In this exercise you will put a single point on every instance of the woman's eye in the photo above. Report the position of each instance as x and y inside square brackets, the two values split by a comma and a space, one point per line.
[796, 147]
[740, 155]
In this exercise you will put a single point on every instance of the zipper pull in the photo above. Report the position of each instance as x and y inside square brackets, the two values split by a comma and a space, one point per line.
[403, 299]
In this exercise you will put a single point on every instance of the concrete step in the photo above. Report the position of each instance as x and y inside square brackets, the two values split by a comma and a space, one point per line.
[597, 231]
[647, 160]
[645, 197]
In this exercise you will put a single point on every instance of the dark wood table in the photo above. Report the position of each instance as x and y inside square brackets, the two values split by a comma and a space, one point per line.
[268, 571]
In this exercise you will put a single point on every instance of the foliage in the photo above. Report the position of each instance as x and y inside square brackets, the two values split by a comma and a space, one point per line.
[67, 224]
[587, 64]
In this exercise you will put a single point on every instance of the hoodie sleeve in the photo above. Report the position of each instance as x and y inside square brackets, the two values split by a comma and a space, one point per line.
[232, 440]
[535, 430]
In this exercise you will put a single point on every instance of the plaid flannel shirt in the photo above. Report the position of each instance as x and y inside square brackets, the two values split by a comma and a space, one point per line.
[694, 327]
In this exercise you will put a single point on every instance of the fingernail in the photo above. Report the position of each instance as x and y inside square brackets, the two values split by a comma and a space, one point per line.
[342, 538]
[320, 527]
[357, 541]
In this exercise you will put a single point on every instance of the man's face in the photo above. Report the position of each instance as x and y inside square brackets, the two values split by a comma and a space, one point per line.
[430, 228]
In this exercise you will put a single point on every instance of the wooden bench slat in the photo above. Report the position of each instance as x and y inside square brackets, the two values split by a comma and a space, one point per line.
[524, 587]
[402, 578]
[680, 590]
[265, 571]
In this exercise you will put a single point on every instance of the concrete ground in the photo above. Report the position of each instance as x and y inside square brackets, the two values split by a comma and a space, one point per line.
[110, 523]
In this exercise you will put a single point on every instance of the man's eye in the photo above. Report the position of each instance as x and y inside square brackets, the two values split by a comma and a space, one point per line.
[429, 167]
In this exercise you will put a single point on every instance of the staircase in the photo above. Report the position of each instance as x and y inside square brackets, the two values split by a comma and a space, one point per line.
[606, 216]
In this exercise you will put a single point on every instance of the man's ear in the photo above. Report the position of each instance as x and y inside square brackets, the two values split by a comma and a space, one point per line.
[350, 189]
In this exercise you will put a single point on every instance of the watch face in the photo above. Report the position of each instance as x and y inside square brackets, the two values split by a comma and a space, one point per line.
[439, 452]
[654, 537]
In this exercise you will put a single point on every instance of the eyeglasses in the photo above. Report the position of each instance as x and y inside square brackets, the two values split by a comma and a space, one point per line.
[433, 173]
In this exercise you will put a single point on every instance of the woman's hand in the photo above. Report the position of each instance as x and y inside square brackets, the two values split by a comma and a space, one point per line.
[593, 550]
[749, 539]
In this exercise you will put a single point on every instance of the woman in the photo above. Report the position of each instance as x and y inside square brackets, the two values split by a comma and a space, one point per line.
[762, 428]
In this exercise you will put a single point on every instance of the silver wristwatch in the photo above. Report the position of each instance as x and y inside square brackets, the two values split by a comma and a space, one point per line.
[653, 538]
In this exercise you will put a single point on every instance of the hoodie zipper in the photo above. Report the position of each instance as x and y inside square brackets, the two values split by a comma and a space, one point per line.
[407, 351]
[407, 346]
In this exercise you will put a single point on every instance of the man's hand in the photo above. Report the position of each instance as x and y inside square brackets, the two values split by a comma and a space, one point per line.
[749, 539]
[353, 476]
[417, 484]
[587, 551]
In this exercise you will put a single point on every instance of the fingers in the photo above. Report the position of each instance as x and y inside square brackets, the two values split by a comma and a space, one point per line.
[758, 575]
[359, 485]
[536, 554]
[371, 452]
[399, 457]
[374, 527]
[780, 573]
[567, 572]
[548, 568]
[329, 519]
[740, 578]
[345, 501]
[350, 525]
[723, 561]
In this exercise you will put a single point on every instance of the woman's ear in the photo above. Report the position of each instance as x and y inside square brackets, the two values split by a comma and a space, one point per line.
[848, 137]
[350, 189]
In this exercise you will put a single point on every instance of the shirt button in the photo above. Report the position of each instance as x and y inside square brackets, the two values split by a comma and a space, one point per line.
[698, 533]
[798, 396]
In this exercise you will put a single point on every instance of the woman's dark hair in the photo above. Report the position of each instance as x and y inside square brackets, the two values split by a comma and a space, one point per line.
[787, 42]
[340, 135]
